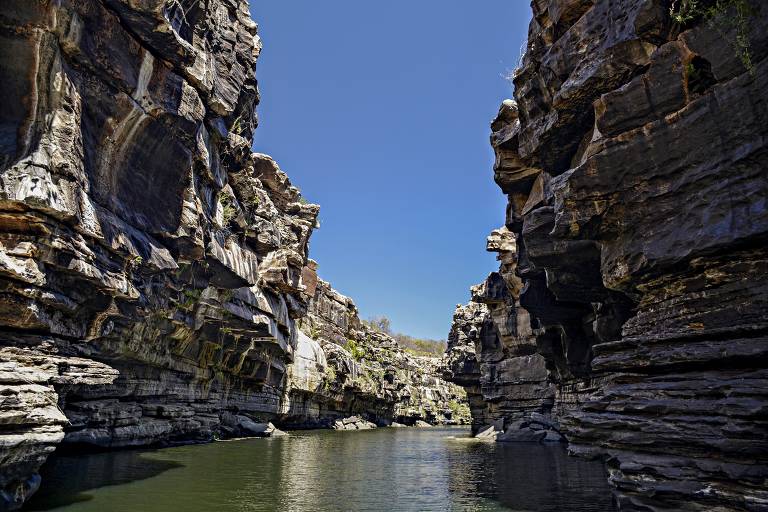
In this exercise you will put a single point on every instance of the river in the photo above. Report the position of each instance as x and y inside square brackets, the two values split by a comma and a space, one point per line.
[388, 469]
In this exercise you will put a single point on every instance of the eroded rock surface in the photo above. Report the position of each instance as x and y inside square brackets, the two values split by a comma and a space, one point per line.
[344, 369]
[150, 263]
[630, 311]
[152, 267]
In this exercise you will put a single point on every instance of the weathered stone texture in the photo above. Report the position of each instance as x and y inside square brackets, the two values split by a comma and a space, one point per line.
[344, 368]
[152, 267]
[142, 243]
[631, 307]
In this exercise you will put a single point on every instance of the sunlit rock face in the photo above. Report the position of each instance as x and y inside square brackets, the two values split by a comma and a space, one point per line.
[150, 263]
[630, 311]
[344, 368]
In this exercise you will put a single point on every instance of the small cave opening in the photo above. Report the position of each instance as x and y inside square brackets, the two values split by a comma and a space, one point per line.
[183, 15]
[698, 76]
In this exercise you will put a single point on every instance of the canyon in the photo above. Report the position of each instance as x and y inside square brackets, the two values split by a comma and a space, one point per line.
[629, 315]
[154, 270]
[156, 286]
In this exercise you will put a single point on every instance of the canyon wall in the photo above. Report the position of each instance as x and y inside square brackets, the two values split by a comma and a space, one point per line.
[358, 370]
[630, 310]
[150, 270]
[153, 269]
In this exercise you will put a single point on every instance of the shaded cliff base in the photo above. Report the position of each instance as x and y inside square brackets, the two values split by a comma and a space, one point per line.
[78, 404]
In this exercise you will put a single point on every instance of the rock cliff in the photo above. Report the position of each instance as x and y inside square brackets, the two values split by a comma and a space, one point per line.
[152, 267]
[345, 367]
[150, 263]
[630, 311]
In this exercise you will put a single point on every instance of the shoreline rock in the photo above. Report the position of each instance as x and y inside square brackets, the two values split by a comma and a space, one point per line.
[353, 423]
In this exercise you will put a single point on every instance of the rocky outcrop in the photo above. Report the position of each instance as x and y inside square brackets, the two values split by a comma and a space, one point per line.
[150, 263]
[353, 423]
[630, 309]
[346, 369]
[237, 425]
[152, 267]
[31, 419]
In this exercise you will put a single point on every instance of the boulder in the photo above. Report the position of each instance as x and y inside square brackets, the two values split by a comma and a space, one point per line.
[487, 433]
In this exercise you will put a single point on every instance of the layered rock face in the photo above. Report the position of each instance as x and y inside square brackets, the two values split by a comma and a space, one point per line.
[345, 369]
[630, 311]
[150, 263]
[152, 268]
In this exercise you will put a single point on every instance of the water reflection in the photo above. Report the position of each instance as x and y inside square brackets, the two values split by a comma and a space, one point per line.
[68, 477]
[526, 477]
[393, 470]
[385, 469]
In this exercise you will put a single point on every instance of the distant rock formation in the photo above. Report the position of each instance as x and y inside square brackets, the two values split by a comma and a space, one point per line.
[151, 265]
[630, 311]
[346, 368]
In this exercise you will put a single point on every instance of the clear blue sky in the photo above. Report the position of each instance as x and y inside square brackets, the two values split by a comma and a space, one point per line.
[380, 112]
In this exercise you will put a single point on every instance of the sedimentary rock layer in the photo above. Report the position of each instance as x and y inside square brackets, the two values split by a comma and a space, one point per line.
[344, 367]
[152, 267]
[630, 311]
[150, 263]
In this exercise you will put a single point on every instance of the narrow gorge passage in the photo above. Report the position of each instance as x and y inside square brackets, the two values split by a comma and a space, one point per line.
[167, 341]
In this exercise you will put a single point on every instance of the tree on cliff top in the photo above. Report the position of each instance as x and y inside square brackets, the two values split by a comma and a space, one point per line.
[418, 346]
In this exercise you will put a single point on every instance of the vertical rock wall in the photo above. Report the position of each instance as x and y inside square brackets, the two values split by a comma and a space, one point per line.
[152, 268]
[630, 311]
[150, 263]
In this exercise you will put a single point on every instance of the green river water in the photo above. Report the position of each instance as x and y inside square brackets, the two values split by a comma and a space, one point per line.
[388, 469]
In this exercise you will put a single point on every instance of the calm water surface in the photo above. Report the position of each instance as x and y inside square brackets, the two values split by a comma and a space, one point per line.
[379, 470]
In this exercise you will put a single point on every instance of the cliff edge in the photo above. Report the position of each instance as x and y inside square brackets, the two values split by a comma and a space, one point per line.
[630, 310]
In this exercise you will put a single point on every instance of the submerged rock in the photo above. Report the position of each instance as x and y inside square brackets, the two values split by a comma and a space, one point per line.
[629, 310]
[353, 423]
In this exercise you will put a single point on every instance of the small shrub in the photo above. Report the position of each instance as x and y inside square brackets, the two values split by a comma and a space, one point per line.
[237, 126]
[357, 352]
[379, 323]
[722, 15]
[228, 210]
[252, 202]
[329, 379]
[190, 297]
[135, 262]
